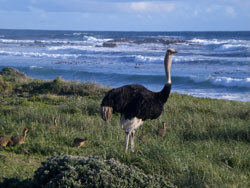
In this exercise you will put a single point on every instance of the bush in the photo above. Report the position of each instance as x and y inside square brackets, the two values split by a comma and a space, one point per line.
[21, 83]
[16, 183]
[13, 75]
[73, 171]
[3, 85]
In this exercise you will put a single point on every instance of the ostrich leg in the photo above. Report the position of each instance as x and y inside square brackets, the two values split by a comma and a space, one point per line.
[132, 140]
[127, 136]
[129, 126]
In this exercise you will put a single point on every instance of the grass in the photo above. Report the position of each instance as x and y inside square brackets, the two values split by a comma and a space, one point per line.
[207, 142]
[12, 164]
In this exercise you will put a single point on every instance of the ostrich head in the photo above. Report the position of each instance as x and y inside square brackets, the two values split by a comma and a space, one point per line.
[171, 51]
[25, 131]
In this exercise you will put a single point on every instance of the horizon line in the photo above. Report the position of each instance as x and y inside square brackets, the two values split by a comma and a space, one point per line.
[129, 30]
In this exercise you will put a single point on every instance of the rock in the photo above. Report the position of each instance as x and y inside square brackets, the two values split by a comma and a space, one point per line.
[109, 45]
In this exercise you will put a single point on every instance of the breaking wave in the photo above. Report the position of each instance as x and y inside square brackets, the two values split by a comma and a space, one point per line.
[230, 44]
[230, 47]
[223, 81]
[206, 41]
[95, 40]
[37, 54]
[208, 63]
[39, 42]
[148, 59]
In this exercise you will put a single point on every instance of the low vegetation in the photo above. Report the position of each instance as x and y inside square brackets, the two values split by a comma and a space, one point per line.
[206, 143]
[70, 171]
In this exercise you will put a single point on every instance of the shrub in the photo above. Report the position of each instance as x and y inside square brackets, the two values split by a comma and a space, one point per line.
[3, 85]
[16, 183]
[21, 83]
[73, 171]
[13, 75]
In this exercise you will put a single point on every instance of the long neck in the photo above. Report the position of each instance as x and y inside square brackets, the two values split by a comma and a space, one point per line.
[24, 134]
[167, 64]
[164, 126]
[164, 93]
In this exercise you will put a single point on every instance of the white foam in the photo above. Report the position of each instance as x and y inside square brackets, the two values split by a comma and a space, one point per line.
[141, 58]
[176, 59]
[238, 97]
[36, 54]
[15, 41]
[35, 67]
[206, 41]
[74, 34]
[223, 45]
[190, 58]
[231, 82]
[204, 58]
[227, 43]
[10, 41]
[95, 40]
[227, 47]
[244, 97]
[97, 47]
[224, 81]
[51, 48]
[78, 34]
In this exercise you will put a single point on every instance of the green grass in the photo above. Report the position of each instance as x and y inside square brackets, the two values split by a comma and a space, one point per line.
[207, 142]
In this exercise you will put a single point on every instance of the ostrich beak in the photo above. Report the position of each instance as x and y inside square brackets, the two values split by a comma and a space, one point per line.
[171, 51]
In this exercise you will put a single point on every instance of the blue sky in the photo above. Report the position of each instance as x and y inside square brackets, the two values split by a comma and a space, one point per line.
[126, 15]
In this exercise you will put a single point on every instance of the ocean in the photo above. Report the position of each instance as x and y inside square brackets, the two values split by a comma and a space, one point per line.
[209, 64]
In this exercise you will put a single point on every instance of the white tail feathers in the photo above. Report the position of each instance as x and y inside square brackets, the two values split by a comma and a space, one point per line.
[106, 112]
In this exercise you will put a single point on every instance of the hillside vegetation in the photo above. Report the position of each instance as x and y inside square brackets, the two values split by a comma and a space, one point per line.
[207, 142]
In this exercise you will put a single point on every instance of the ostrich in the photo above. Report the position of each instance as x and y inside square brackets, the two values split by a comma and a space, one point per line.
[53, 127]
[17, 140]
[136, 104]
[78, 142]
[5, 140]
[162, 131]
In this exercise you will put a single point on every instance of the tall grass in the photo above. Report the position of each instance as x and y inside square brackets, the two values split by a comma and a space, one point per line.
[207, 142]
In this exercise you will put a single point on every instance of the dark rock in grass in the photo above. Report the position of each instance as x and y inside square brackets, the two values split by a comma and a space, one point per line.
[74, 171]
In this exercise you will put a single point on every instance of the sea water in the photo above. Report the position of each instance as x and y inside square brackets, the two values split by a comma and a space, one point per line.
[209, 64]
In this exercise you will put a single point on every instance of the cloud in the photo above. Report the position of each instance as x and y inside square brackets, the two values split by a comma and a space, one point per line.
[126, 14]
[196, 13]
[148, 7]
[230, 11]
[90, 6]
[139, 6]
[38, 12]
[95, 6]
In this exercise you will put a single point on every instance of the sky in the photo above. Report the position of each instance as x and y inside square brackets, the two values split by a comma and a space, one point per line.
[126, 15]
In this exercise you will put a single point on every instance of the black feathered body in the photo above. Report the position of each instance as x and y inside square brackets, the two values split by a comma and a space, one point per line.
[137, 101]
